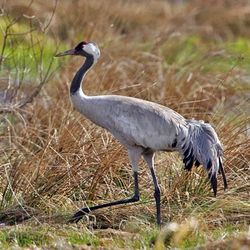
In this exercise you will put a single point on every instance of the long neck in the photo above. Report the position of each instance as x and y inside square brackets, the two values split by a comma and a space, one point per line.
[76, 82]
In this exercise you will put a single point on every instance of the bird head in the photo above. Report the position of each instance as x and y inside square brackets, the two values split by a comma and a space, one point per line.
[85, 49]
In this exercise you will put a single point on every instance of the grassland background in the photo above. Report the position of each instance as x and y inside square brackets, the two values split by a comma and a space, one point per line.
[193, 57]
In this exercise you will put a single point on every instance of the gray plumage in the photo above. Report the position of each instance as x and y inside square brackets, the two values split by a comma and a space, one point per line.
[144, 128]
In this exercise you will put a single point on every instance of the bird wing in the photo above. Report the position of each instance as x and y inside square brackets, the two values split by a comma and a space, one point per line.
[137, 122]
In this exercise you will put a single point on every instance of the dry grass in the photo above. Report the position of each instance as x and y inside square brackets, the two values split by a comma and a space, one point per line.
[53, 160]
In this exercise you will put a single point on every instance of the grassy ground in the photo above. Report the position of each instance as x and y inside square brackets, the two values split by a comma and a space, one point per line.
[191, 57]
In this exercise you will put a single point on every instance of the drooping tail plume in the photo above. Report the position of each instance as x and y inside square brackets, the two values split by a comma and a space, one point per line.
[202, 146]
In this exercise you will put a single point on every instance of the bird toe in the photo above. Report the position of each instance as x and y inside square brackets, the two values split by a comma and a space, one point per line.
[79, 215]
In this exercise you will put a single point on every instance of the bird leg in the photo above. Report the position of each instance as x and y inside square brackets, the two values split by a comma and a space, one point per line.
[157, 196]
[149, 158]
[79, 214]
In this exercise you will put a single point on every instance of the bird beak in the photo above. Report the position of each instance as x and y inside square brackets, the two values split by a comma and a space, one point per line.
[65, 53]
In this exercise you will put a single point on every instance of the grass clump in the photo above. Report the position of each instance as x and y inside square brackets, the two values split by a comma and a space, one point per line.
[23, 238]
[83, 239]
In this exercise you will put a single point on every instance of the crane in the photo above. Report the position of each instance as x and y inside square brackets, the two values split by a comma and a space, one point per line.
[144, 128]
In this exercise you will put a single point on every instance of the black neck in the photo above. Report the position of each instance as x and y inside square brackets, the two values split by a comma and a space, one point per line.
[76, 82]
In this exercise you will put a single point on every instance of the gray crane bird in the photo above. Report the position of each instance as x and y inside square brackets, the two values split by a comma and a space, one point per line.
[143, 128]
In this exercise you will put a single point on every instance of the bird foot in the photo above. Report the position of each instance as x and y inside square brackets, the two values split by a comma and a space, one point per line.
[79, 215]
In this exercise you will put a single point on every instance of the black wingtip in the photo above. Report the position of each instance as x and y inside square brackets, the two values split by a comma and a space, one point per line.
[213, 181]
[197, 163]
[188, 159]
[223, 174]
[212, 177]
